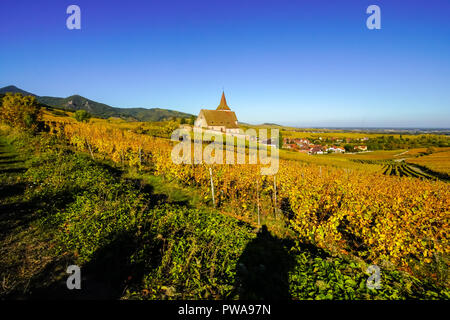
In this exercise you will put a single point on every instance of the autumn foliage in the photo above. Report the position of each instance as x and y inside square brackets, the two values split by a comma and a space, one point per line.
[20, 111]
[379, 218]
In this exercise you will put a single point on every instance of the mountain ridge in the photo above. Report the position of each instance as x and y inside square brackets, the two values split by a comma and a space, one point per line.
[77, 102]
[15, 89]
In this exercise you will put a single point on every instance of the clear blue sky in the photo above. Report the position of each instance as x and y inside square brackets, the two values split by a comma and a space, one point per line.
[305, 63]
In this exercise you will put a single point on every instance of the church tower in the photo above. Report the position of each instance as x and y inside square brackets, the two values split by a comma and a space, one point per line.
[223, 104]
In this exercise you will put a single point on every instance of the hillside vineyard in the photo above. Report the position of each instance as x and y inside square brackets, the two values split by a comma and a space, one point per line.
[380, 218]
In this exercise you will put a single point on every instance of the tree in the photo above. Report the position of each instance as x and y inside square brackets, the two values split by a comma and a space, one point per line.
[82, 116]
[20, 111]
[348, 148]
[182, 121]
[170, 127]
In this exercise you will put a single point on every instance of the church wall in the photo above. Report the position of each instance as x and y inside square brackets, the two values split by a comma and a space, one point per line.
[200, 122]
[233, 130]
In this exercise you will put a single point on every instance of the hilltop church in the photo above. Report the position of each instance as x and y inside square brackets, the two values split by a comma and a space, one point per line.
[222, 119]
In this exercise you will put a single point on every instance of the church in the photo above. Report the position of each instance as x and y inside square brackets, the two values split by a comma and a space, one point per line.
[222, 119]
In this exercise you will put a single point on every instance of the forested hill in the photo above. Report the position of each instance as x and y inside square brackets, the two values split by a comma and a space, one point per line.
[14, 89]
[101, 110]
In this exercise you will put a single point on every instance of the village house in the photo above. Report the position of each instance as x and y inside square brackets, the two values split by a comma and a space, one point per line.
[304, 149]
[292, 146]
[360, 148]
[302, 142]
[269, 142]
[222, 119]
[316, 149]
[336, 149]
[298, 141]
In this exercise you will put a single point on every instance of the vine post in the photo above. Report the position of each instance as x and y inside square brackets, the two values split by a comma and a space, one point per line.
[140, 156]
[90, 149]
[212, 187]
[257, 200]
[275, 194]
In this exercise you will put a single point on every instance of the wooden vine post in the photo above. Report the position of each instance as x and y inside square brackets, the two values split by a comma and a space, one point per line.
[90, 149]
[212, 187]
[257, 200]
[275, 194]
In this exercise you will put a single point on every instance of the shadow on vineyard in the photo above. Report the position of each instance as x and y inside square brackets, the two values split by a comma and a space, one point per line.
[263, 268]
[11, 190]
[105, 276]
[355, 243]
[16, 213]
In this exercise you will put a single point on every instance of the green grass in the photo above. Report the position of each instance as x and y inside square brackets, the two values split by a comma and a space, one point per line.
[163, 190]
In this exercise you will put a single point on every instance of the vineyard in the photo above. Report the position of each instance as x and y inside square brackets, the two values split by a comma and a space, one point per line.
[437, 162]
[374, 216]
[170, 240]
[404, 170]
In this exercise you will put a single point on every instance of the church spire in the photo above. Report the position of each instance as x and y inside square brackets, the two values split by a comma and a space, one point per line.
[223, 103]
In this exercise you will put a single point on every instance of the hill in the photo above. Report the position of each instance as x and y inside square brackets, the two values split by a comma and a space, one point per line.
[14, 89]
[77, 102]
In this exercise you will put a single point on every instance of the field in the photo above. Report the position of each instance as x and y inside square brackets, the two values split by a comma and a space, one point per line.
[405, 170]
[438, 162]
[314, 227]
[404, 162]
[330, 160]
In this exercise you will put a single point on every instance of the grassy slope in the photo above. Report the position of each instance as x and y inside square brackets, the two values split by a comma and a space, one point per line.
[21, 256]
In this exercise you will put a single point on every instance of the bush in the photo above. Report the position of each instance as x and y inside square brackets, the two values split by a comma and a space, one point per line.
[82, 116]
[20, 111]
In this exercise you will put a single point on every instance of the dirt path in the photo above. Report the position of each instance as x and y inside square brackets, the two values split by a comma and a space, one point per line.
[402, 153]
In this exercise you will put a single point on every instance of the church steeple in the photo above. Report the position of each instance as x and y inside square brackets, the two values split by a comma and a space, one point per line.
[223, 103]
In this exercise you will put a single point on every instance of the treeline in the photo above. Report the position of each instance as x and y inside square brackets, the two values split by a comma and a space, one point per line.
[387, 142]
[393, 143]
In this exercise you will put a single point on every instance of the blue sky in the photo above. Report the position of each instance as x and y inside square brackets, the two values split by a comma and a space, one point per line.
[304, 63]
